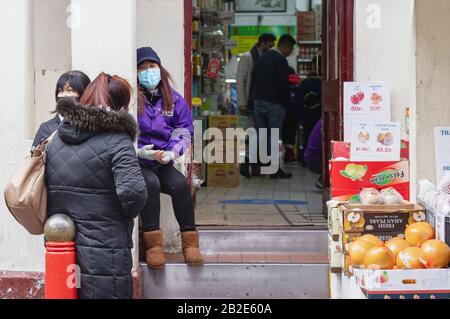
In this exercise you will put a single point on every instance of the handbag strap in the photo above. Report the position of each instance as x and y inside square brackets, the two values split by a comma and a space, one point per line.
[46, 143]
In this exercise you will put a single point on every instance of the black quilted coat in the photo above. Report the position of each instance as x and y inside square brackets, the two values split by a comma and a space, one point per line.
[93, 176]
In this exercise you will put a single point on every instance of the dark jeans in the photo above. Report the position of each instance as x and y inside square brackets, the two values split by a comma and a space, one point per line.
[314, 166]
[168, 180]
[271, 116]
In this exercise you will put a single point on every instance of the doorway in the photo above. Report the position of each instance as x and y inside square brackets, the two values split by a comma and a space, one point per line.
[263, 202]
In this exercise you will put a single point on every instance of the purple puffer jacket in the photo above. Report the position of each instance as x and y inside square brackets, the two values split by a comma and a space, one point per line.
[167, 132]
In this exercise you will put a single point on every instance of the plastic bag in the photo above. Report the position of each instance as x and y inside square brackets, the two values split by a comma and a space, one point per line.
[369, 196]
[390, 196]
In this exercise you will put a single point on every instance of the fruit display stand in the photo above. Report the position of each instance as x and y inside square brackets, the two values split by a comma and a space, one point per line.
[404, 284]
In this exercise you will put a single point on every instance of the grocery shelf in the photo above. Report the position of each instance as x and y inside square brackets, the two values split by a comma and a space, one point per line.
[310, 42]
[305, 60]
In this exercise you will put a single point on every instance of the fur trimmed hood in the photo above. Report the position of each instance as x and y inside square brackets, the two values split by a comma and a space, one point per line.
[96, 120]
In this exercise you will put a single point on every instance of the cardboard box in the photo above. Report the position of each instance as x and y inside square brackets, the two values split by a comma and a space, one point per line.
[306, 36]
[221, 152]
[380, 218]
[347, 268]
[306, 29]
[342, 150]
[352, 195]
[306, 18]
[354, 176]
[222, 122]
[334, 211]
[345, 239]
[442, 227]
[334, 256]
[404, 284]
[223, 175]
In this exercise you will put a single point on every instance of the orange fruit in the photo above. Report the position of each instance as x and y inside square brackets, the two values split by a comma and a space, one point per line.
[372, 239]
[396, 245]
[409, 258]
[358, 250]
[379, 258]
[435, 254]
[418, 233]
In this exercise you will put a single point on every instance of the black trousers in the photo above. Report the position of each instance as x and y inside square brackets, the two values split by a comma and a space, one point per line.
[168, 180]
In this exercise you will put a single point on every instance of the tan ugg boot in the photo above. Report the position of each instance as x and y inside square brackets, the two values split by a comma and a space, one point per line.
[154, 253]
[191, 245]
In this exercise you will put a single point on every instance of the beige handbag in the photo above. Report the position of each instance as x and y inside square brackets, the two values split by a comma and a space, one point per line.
[26, 192]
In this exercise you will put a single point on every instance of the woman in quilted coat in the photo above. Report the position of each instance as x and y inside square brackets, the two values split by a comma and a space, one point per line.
[93, 176]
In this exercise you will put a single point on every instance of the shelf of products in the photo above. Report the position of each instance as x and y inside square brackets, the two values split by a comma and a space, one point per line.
[211, 19]
[307, 51]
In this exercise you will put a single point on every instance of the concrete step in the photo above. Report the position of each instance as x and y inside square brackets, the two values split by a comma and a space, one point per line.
[246, 264]
[263, 241]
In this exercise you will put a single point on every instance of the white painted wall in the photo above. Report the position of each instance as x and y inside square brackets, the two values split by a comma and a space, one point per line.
[433, 79]
[105, 41]
[19, 251]
[52, 39]
[160, 25]
[387, 54]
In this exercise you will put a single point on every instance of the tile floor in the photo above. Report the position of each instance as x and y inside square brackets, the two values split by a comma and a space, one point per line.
[263, 202]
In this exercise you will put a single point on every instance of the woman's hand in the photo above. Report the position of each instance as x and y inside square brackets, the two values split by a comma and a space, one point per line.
[147, 152]
[167, 157]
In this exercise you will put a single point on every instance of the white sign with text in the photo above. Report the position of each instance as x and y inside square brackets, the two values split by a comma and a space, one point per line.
[373, 142]
[365, 101]
[442, 149]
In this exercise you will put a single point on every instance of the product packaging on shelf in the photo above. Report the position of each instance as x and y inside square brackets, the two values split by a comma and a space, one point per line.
[222, 122]
[223, 175]
[349, 178]
[333, 219]
[380, 218]
[441, 225]
[404, 284]
[341, 150]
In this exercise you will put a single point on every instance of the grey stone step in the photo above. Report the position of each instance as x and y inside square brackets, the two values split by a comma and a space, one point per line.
[246, 281]
[261, 278]
[263, 241]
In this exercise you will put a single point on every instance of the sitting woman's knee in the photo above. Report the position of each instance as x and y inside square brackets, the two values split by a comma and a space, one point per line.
[152, 182]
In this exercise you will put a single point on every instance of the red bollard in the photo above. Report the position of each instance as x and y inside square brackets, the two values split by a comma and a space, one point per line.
[60, 271]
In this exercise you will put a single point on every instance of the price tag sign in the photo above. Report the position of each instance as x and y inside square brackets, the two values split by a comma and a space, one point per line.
[374, 142]
[365, 101]
[442, 149]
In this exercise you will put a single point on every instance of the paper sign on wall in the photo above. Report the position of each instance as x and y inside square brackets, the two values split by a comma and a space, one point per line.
[365, 101]
[442, 149]
[373, 141]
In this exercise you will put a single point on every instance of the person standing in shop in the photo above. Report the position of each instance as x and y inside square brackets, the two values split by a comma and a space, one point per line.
[245, 82]
[311, 101]
[166, 130]
[272, 90]
[313, 152]
[292, 118]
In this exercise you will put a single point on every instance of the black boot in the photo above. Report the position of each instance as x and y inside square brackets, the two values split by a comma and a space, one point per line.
[245, 170]
[281, 174]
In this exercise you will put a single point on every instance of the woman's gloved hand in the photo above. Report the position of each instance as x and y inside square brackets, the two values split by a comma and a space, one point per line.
[167, 157]
[147, 152]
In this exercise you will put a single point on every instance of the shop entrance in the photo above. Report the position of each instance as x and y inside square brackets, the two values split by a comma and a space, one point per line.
[221, 32]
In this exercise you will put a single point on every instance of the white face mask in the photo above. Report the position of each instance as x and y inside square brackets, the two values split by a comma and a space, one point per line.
[150, 78]
[68, 94]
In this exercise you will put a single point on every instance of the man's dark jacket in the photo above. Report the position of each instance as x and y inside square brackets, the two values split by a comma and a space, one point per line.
[272, 78]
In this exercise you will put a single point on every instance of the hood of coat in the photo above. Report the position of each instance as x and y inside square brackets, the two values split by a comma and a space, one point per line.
[82, 122]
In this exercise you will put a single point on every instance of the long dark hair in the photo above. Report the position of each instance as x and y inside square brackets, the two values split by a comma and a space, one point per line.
[77, 80]
[107, 90]
[166, 91]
